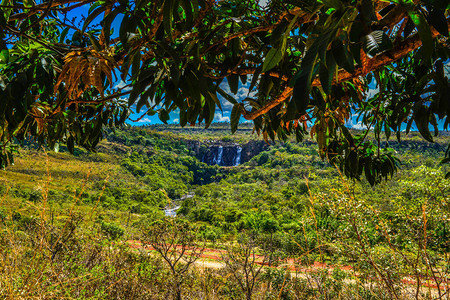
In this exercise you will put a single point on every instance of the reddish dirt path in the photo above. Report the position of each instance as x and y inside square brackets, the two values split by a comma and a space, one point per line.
[292, 265]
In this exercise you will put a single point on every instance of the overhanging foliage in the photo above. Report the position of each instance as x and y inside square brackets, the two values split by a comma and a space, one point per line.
[306, 60]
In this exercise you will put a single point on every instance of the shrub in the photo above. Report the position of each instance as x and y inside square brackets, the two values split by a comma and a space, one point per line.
[112, 230]
[3, 215]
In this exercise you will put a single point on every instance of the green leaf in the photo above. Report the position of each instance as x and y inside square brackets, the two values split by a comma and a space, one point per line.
[255, 78]
[210, 109]
[226, 96]
[433, 122]
[409, 125]
[94, 42]
[327, 72]
[318, 97]
[92, 16]
[195, 6]
[94, 6]
[368, 171]
[127, 26]
[233, 82]
[336, 4]
[437, 19]
[376, 42]
[3, 19]
[136, 65]
[322, 137]
[342, 56]
[4, 56]
[387, 130]
[421, 118]
[183, 117]
[302, 80]
[216, 100]
[63, 35]
[278, 33]
[186, 4]
[348, 136]
[235, 116]
[368, 12]
[168, 17]
[163, 116]
[143, 100]
[272, 59]
[134, 94]
[141, 3]
[106, 23]
[424, 32]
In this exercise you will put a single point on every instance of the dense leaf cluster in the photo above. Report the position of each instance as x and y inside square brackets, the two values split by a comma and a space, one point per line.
[302, 61]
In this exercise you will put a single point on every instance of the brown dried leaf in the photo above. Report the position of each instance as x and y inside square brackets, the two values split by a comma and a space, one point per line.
[82, 71]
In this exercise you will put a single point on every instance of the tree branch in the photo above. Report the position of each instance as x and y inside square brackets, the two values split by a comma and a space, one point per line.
[43, 7]
[372, 64]
[280, 99]
[304, 18]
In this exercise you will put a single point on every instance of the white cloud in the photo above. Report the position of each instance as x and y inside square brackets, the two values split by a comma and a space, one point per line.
[144, 120]
[226, 105]
[225, 87]
[243, 92]
[121, 84]
[357, 126]
[218, 117]
[372, 92]
[176, 120]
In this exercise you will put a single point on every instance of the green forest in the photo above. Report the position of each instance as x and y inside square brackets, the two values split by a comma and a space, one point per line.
[283, 224]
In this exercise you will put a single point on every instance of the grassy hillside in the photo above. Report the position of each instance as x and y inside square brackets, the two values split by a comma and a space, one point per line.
[65, 220]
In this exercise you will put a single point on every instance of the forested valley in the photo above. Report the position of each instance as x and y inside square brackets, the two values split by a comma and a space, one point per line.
[160, 212]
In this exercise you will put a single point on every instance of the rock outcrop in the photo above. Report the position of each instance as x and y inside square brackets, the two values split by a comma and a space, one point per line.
[225, 153]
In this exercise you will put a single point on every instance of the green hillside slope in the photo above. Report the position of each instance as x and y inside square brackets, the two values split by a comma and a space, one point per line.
[65, 218]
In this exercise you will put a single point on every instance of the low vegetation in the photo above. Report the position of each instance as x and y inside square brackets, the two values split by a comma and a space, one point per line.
[284, 225]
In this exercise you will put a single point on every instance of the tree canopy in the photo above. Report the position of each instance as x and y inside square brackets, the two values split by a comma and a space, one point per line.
[308, 65]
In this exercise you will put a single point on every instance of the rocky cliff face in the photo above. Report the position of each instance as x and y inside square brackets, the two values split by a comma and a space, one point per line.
[224, 153]
[228, 155]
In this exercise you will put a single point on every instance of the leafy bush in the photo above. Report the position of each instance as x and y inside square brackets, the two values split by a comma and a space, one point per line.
[112, 230]
[3, 215]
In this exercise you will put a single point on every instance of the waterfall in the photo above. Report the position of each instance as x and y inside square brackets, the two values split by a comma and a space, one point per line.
[237, 159]
[171, 212]
[217, 159]
[219, 155]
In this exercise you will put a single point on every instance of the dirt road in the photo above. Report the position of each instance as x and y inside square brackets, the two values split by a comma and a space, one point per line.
[212, 258]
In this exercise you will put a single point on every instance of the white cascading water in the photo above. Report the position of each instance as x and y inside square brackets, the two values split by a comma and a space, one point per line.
[171, 212]
[217, 160]
[237, 159]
